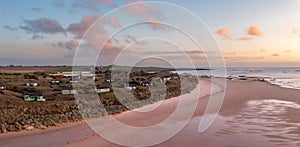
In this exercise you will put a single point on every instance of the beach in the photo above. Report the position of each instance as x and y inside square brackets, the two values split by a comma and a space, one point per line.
[254, 113]
[115, 73]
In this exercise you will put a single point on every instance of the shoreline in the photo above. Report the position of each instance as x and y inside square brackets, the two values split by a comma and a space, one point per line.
[261, 79]
[234, 103]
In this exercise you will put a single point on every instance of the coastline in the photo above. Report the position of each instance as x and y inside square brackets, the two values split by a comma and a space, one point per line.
[238, 92]
[270, 80]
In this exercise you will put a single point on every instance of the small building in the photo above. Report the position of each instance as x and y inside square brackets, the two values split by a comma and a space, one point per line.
[110, 80]
[68, 90]
[2, 86]
[73, 81]
[88, 76]
[159, 80]
[71, 74]
[165, 79]
[33, 84]
[102, 89]
[55, 81]
[142, 83]
[36, 96]
[130, 86]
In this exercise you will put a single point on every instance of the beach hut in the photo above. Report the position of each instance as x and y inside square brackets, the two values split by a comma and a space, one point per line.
[88, 76]
[71, 74]
[55, 81]
[102, 89]
[142, 83]
[159, 80]
[73, 81]
[36, 96]
[34, 84]
[130, 86]
[109, 80]
[68, 90]
[2, 86]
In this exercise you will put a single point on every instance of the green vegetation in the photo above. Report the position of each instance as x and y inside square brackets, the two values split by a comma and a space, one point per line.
[9, 74]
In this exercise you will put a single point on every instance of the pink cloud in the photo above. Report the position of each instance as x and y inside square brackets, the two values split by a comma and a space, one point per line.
[108, 45]
[154, 23]
[224, 32]
[113, 21]
[94, 37]
[254, 31]
[142, 8]
[73, 43]
[80, 28]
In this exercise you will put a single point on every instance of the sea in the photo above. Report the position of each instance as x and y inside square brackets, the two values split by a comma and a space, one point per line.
[288, 77]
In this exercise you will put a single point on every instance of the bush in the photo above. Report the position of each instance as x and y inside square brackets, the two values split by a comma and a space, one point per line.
[31, 76]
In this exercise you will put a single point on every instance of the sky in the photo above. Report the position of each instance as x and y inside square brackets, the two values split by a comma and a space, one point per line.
[247, 33]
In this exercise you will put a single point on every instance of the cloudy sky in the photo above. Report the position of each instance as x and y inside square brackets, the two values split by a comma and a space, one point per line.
[249, 33]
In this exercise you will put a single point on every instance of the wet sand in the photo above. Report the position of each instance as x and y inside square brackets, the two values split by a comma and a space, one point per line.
[253, 114]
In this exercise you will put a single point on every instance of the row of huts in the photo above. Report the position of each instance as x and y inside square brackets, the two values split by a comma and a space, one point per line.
[38, 96]
[70, 90]
[75, 76]
[31, 95]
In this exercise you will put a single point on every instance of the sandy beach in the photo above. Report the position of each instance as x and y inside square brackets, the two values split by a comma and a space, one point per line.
[253, 114]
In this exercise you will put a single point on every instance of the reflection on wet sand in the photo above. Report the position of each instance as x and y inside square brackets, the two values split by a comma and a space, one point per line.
[268, 119]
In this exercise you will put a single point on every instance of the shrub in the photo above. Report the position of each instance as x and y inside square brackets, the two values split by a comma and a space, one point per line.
[31, 76]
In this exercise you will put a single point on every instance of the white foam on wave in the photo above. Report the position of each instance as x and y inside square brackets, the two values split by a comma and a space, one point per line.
[283, 77]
